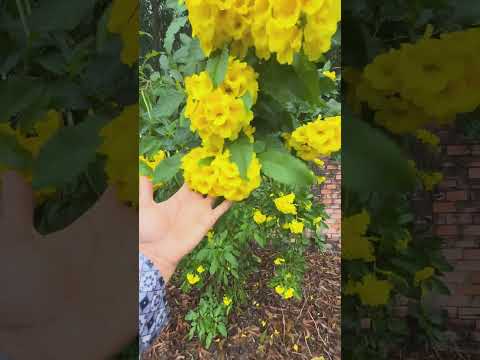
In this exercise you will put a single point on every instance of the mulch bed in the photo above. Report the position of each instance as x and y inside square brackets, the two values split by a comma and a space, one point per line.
[314, 323]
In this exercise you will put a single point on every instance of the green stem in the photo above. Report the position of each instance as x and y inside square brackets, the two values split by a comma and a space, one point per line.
[29, 8]
[23, 18]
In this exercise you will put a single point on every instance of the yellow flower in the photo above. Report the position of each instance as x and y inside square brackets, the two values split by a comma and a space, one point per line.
[317, 220]
[330, 74]
[124, 20]
[193, 278]
[289, 293]
[285, 204]
[296, 227]
[321, 180]
[210, 235]
[295, 347]
[219, 176]
[259, 218]
[200, 269]
[227, 301]
[317, 138]
[355, 244]
[371, 291]
[279, 261]
[424, 274]
[427, 137]
[263, 322]
[319, 162]
[270, 218]
[153, 161]
[279, 289]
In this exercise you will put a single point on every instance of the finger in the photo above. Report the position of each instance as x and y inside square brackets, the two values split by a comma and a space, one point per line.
[145, 193]
[221, 209]
[17, 201]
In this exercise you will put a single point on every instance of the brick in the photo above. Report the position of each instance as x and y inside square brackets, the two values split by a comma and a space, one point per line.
[476, 149]
[446, 230]
[440, 207]
[473, 290]
[471, 230]
[475, 336]
[447, 184]
[477, 326]
[462, 323]
[456, 150]
[456, 276]
[471, 254]
[469, 313]
[468, 265]
[457, 300]
[452, 312]
[459, 218]
[474, 173]
[466, 243]
[475, 277]
[440, 219]
[457, 195]
[453, 254]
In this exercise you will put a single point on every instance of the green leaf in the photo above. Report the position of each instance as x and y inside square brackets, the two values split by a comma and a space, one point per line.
[144, 169]
[241, 153]
[231, 259]
[67, 154]
[259, 146]
[439, 287]
[58, 15]
[222, 329]
[372, 161]
[172, 30]
[208, 342]
[307, 71]
[167, 169]
[247, 101]
[260, 240]
[206, 161]
[12, 155]
[217, 67]
[168, 102]
[18, 94]
[285, 168]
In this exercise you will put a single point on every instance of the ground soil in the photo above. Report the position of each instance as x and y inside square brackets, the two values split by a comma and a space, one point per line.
[312, 323]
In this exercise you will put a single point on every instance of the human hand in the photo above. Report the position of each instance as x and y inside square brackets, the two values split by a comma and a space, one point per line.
[73, 289]
[171, 229]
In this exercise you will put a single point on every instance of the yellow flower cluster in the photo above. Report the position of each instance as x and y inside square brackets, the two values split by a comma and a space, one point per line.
[272, 26]
[285, 204]
[152, 162]
[214, 174]
[121, 148]
[356, 245]
[279, 261]
[124, 20]
[220, 113]
[295, 226]
[227, 301]
[372, 291]
[427, 82]
[285, 293]
[193, 278]
[259, 217]
[317, 138]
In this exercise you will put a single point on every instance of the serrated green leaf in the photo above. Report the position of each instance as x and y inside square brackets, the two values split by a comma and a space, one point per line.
[241, 153]
[167, 169]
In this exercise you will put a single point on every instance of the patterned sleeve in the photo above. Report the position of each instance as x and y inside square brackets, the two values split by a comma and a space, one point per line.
[152, 310]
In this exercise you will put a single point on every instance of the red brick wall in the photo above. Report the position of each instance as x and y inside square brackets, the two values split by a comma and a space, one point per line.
[456, 218]
[331, 196]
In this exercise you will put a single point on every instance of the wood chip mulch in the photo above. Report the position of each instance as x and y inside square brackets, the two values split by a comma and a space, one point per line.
[313, 324]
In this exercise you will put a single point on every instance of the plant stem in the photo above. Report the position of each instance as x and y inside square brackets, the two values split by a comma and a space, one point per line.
[23, 18]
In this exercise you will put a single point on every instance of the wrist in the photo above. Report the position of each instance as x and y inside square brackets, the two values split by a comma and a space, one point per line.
[165, 266]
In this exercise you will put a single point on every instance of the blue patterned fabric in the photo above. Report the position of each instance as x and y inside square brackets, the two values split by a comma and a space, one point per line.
[152, 308]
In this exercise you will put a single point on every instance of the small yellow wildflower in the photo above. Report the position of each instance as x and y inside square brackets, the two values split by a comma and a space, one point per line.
[321, 179]
[279, 289]
[264, 323]
[270, 218]
[289, 293]
[286, 226]
[193, 278]
[295, 347]
[227, 301]
[330, 74]
[317, 220]
[210, 235]
[259, 218]
[319, 163]
[279, 261]
[200, 269]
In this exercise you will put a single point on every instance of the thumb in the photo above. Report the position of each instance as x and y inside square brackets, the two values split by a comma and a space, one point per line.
[145, 192]
[17, 201]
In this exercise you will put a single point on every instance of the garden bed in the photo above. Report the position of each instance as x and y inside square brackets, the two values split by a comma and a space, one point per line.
[313, 324]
